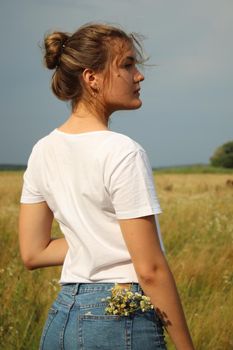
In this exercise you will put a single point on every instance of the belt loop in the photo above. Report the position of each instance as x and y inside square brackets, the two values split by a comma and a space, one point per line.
[75, 289]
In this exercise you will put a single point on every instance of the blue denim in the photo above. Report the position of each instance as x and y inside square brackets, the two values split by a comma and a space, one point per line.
[77, 320]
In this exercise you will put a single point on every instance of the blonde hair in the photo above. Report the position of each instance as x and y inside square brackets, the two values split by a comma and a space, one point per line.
[91, 46]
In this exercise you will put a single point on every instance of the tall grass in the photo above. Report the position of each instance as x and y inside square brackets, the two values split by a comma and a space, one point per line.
[25, 295]
[197, 227]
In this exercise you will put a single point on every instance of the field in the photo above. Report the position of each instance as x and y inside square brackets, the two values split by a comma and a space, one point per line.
[197, 225]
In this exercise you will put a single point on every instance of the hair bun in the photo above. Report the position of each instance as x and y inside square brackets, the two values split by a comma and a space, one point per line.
[53, 45]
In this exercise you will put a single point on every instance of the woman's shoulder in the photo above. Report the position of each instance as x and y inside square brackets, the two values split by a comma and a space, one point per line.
[41, 144]
[118, 148]
[121, 142]
[50, 138]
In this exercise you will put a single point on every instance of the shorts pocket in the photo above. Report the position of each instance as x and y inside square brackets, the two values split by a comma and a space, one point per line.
[148, 332]
[102, 332]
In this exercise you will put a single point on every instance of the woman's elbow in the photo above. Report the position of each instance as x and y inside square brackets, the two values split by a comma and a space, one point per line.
[30, 266]
[147, 276]
[150, 275]
[28, 261]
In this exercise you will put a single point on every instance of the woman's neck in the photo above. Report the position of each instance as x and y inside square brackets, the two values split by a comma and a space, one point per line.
[83, 120]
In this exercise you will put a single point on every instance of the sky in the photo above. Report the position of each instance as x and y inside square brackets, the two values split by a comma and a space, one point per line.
[187, 94]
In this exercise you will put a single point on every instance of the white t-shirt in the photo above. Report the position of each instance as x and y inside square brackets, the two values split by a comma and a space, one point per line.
[89, 181]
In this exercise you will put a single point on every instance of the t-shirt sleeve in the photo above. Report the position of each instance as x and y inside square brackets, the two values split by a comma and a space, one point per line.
[31, 180]
[131, 186]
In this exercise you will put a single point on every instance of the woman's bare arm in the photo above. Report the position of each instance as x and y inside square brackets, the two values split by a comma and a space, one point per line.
[155, 277]
[37, 247]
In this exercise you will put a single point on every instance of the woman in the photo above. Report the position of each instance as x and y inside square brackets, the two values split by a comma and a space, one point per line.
[98, 185]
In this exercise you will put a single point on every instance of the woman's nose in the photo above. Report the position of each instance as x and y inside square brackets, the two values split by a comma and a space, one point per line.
[139, 76]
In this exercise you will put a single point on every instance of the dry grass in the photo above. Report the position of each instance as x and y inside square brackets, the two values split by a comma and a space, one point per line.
[198, 230]
[25, 295]
[197, 227]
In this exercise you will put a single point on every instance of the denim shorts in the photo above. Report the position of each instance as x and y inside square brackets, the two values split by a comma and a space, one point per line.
[77, 320]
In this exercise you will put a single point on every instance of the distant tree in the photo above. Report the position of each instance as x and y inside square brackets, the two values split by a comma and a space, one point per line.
[223, 156]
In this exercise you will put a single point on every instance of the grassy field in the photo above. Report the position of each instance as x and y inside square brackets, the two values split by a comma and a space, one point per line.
[194, 169]
[197, 226]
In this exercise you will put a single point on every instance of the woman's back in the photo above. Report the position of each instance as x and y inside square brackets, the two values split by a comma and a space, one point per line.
[89, 181]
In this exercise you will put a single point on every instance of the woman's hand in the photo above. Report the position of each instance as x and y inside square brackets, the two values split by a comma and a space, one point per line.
[37, 247]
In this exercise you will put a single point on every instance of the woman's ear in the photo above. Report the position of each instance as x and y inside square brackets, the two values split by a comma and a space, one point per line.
[90, 78]
[92, 82]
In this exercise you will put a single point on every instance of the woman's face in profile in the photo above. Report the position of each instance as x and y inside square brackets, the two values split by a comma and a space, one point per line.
[121, 87]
